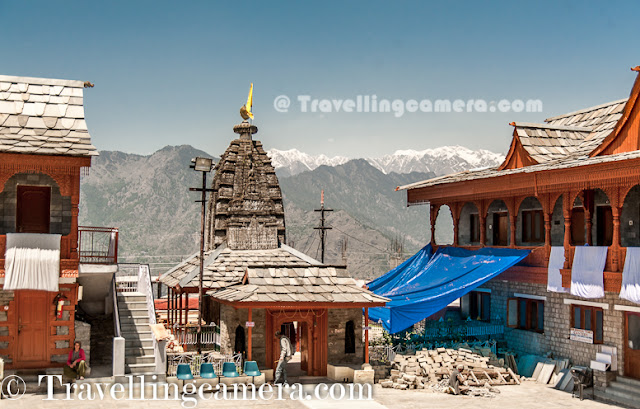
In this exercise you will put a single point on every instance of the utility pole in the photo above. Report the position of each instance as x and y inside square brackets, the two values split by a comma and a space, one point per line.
[203, 165]
[322, 226]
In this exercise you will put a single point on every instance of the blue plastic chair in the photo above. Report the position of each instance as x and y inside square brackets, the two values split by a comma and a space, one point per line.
[229, 370]
[251, 368]
[207, 371]
[184, 372]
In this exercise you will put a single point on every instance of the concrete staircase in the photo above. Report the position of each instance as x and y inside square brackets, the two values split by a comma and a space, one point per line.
[134, 328]
[623, 391]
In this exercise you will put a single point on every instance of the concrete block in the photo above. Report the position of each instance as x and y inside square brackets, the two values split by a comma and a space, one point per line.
[268, 374]
[238, 379]
[364, 376]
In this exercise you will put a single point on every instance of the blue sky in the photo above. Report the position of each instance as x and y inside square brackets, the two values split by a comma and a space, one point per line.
[170, 73]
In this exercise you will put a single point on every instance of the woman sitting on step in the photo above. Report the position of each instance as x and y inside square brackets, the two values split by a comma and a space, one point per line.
[76, 365]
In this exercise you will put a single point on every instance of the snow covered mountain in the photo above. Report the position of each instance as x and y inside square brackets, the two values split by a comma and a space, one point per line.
[441, 161]
[292, 161]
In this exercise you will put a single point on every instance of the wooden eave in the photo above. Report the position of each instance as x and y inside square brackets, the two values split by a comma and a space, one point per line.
[624, 120]
[516, 151]
[299, 305]
[598, 175]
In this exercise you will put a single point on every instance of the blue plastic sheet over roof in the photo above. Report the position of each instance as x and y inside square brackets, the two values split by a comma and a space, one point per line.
[428, 282]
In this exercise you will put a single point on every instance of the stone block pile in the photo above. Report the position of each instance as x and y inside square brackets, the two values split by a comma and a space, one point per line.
[429, 368]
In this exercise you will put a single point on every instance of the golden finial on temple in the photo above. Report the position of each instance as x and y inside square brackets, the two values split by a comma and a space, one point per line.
[245, 111]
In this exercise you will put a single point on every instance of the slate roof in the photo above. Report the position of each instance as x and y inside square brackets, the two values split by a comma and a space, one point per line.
[546, 143]
[303, 284]
[43, 116]
[272, 275]
[562, 142]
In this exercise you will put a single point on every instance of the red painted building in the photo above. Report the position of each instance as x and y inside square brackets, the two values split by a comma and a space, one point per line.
[44, 147]
[571, 181]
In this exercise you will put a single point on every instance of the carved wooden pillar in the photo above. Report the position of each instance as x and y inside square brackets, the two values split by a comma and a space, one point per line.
[456, 222]
[512, 226]
[483, 229]
[433, 215]
[616, 210]
[566, 212]
[587, 203]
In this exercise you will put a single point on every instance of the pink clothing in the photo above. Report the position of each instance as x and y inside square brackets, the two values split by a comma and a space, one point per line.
[80, 353]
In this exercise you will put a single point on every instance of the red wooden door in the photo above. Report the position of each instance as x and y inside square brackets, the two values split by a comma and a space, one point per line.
[577, 227]
[500, 229]
[33, 307]
[33, 209]
[632, 345]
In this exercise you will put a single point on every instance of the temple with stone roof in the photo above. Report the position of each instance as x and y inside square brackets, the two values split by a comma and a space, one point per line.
[255, 284]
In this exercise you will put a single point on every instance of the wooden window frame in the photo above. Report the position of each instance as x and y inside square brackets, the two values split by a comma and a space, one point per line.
[594, 323]
[528, 231]
[531, 305]
[485, 305]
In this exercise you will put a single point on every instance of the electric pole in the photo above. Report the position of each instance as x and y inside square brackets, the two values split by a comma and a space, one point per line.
[323, 228]
[203, 165]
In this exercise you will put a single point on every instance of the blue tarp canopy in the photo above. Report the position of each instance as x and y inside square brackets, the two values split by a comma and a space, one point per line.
[428, 282]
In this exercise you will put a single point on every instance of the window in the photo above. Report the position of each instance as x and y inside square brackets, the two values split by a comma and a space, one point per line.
[525, 313]
[477, 305]
[588, 318]
[474, 223]
[350, 338]
[532, 226]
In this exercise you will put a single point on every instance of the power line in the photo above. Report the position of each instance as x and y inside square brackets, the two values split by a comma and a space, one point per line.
[363, 242]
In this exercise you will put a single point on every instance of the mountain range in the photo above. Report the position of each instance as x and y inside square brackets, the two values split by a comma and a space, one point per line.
[439, 161]
[147, 198]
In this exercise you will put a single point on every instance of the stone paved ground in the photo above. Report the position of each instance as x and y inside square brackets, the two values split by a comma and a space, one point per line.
[527, 395]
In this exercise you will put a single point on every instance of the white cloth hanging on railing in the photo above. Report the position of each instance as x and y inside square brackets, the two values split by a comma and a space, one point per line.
[587, 273]
[554, 278]
[32, 261]
[631, 276]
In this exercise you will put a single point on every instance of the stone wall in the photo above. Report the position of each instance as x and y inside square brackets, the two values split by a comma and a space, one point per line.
[630, 233]
[60, 219]
[464, 224]
[338, 319]
[230, 318]
[557, 322]
[557, 224]
[83, 334]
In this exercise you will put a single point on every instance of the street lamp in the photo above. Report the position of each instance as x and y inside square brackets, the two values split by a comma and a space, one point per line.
[203, 165]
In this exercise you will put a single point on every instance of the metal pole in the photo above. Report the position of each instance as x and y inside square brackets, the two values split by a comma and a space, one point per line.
[200, 285]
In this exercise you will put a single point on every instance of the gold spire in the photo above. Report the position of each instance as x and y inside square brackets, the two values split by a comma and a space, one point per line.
[245, 111]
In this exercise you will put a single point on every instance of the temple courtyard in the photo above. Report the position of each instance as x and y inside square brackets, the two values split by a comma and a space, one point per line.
[527, 395]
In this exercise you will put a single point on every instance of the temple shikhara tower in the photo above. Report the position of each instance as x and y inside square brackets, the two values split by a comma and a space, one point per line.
[245, 207]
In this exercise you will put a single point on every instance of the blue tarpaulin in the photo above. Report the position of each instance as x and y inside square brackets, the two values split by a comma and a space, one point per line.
[428, 282]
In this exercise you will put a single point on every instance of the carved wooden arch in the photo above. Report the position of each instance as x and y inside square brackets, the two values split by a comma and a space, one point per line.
[553, 199]
[625, 190]
[488, 204]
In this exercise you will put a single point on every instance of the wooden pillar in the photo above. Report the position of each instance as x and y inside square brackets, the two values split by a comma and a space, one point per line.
[566, 212]
[615, 243]
[483, 229]
[547, 229]
[587, 203]
[366, 335]
[180, 309]
[186, 308]
[169, 306]
[512, 228]
[433, 214]
[249, 343]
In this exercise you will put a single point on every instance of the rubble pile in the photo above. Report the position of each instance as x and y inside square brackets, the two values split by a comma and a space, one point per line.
[432, 369]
